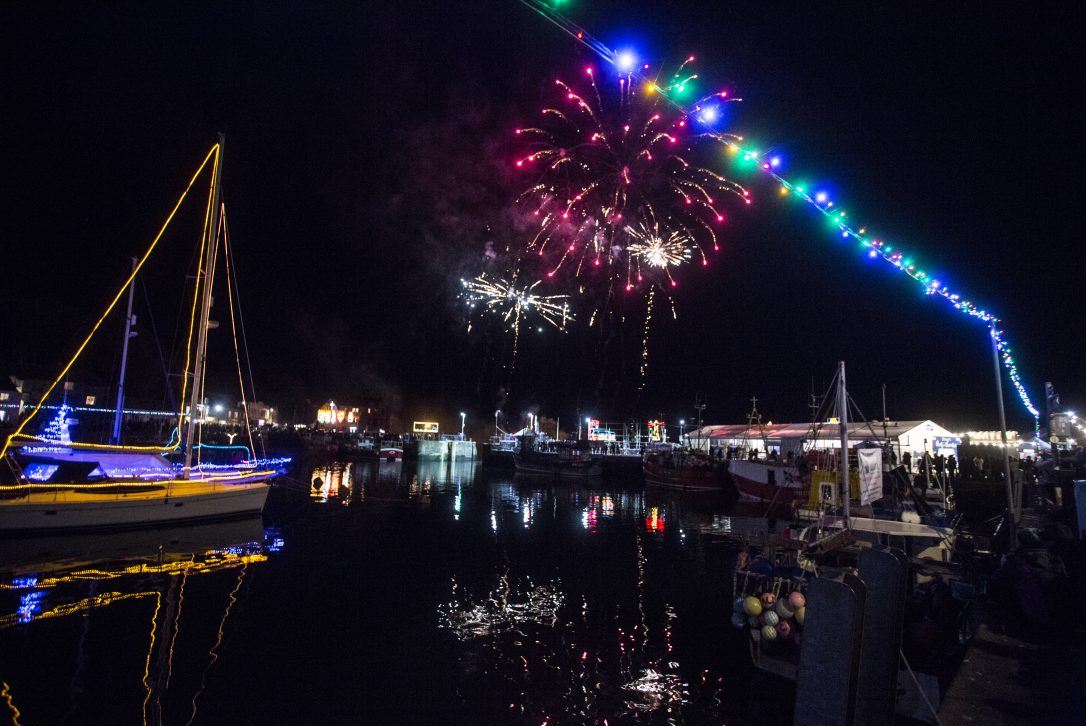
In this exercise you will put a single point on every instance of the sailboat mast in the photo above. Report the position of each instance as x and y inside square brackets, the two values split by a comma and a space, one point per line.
[205, 308]
[842, 398]
[118, 417]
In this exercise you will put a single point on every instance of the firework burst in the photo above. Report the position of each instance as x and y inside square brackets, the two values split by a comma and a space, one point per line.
[601, 166]
[654, 250]
[515, 303]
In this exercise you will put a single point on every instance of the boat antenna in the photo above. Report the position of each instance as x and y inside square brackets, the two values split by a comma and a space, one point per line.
[196, 401]
[813, 403]
[885, 420]
[699, 405]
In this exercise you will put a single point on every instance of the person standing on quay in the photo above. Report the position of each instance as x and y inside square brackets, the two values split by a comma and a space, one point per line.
[951, 466]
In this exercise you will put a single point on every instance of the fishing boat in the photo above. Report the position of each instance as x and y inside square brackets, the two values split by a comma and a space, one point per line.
[778, 482]
[50, 482]
[391, 453]
[562, 460]
[788, 466]
[686, 470]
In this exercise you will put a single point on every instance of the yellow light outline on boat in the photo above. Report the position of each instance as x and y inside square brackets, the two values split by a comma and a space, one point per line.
[80, 445]
[204, 240]
[18, 431]
[212, 478]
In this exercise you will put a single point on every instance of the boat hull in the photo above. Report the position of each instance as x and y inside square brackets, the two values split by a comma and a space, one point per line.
[560, 469]
[183, 503]
[765, 482]
[688, 479]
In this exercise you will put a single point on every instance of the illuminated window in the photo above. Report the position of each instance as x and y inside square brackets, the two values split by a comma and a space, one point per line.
[4, 396]
[90, 400]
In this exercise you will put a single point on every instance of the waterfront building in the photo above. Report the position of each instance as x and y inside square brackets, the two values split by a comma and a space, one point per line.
[367, 416]
[782, 439]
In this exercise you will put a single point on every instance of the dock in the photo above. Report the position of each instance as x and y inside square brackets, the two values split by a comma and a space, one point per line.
[1018, 679]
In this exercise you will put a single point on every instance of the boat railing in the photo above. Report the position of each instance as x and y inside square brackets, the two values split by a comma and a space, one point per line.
[502, 443]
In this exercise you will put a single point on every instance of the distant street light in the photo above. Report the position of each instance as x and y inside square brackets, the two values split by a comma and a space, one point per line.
[682, 422]
[496, 422]
[463, 418]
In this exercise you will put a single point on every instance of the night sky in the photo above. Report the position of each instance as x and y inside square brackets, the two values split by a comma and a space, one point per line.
[368, 165]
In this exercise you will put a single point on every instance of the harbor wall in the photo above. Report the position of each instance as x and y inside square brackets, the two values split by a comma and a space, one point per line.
[444, 450]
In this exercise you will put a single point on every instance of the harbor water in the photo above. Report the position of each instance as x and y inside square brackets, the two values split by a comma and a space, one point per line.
[404, 593]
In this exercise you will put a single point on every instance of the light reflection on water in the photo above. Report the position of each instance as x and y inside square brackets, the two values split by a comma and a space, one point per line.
[63, 583]
[586, 650]
[499, 599]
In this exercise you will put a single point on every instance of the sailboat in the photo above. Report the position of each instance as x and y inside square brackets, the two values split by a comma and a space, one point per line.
[50, 482]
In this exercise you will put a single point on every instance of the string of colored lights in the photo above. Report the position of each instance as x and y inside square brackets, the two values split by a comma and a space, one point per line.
[769, 164]
[901, 261]
[56, 433]
[135, 271]
[95, 409]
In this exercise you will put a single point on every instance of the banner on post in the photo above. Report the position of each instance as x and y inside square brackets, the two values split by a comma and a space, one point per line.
[870, 474]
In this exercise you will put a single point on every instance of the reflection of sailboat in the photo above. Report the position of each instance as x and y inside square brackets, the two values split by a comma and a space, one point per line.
[67, 553]
[51, 482]
[58, 577]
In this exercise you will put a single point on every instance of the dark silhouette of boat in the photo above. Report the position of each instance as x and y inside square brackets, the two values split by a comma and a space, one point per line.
[555, 459]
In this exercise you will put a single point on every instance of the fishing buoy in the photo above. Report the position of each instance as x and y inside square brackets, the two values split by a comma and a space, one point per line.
[783, 609]
[752, 606]
[768, 599]
[737, 605]
[739, 620]
[796, 600]
[770, 618]
[801, 613]
[784, 629]
[769, 632]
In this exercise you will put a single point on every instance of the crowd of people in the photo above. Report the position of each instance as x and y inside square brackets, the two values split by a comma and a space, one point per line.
[928, 470]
